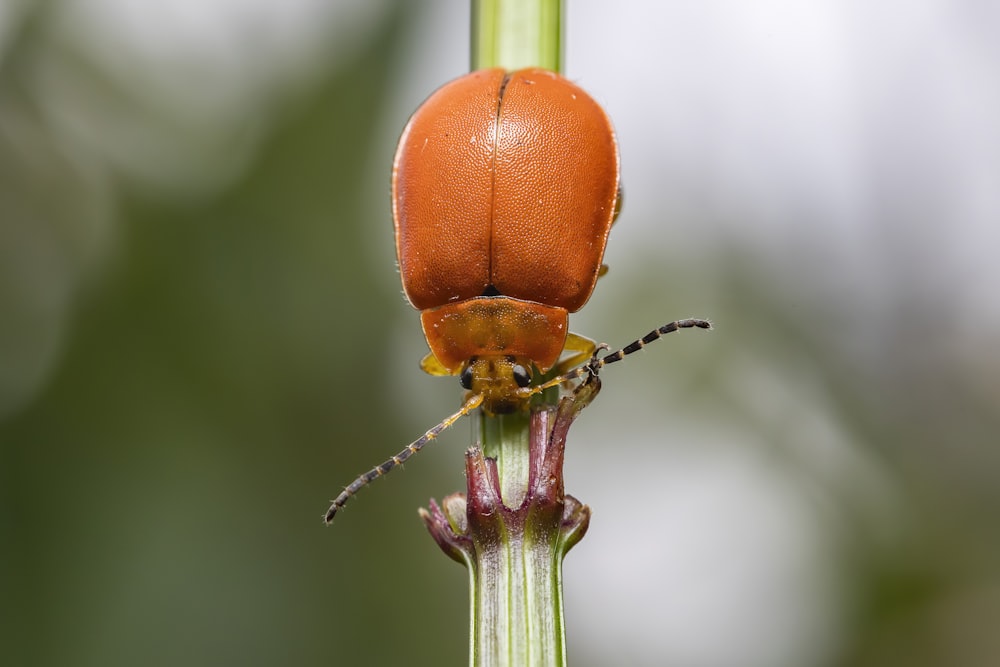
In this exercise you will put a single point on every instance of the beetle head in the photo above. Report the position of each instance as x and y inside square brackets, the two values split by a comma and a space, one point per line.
[503, 381]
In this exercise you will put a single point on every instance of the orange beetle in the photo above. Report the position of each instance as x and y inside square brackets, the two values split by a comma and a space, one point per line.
[504, 189]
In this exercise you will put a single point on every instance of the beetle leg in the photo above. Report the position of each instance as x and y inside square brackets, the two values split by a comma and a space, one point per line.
[619, 202]
[579, 348]
[432, 366]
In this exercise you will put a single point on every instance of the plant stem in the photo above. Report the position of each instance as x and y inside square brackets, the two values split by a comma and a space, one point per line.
[519, 583]
[514, 554]
[516, 524]
[517, 33]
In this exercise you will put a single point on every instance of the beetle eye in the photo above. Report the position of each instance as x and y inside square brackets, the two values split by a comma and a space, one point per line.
[521, 375]
[466, 377]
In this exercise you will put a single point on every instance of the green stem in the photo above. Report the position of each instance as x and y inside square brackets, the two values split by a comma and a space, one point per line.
[517, 33]
[506, 438]
[514, 554]
[517, 597]
[516, 579]
[516, 525]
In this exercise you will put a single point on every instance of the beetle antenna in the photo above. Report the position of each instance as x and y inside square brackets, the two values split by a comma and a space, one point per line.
[597, 362]
[411, 449]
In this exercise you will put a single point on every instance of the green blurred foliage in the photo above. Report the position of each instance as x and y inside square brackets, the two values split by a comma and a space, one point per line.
[219, 377]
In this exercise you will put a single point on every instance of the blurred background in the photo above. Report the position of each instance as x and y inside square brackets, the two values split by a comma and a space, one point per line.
[203, 338]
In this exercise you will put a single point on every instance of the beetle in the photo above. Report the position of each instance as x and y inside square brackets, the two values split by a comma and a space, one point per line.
[504, 189]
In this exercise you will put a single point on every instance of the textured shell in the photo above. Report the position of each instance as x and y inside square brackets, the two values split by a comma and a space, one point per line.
[504, 184]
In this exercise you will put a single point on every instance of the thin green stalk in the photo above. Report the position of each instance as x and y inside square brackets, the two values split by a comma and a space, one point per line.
[514, 554]
[517, 33]
[519, 578]
[516, 523]
[506, 438]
